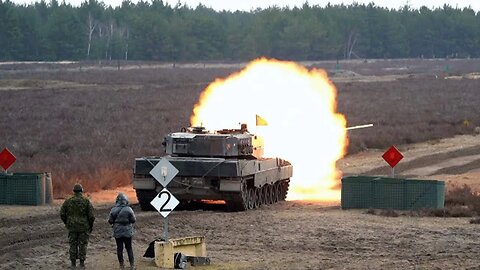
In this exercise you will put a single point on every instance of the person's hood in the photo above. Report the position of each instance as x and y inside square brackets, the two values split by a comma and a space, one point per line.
[122, 199]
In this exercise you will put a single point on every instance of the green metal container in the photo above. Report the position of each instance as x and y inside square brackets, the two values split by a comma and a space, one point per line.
[23, 188]
[424, 194]
[3, 188]
[356, 192]
[391, 193]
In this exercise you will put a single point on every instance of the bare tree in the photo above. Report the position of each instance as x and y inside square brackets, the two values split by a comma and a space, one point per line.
[126, 43]
[350, 44]
[108, 51]
[91, 29]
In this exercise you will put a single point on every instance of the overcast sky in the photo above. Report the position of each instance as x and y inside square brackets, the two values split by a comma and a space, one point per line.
[248, 5]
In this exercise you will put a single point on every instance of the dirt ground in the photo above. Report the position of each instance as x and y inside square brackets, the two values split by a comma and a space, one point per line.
[288, 235]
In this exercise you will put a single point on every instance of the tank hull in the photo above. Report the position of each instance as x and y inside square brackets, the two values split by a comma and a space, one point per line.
[242, 183]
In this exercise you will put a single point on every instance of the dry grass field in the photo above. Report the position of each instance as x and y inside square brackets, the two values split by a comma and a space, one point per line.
[83, 121]
[89, 125]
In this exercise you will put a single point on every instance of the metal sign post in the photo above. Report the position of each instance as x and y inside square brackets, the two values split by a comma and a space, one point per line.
[165, 228]
[164, 202]
[165, 219]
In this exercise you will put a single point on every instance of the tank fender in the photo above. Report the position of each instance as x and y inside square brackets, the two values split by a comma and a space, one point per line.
[272, 175]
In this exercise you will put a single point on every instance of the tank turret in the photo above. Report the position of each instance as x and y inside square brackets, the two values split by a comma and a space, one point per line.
[197, 142]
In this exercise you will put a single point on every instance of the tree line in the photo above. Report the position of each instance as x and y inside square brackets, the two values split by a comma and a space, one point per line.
[157, 31]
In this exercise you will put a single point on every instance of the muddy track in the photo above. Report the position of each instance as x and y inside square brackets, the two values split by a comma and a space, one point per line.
[28, 232]
[430, 160]
[7, 222]
[19, 241]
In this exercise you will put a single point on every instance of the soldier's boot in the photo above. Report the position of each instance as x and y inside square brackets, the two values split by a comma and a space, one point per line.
[73, 263]
[82, 263]
[122, 265]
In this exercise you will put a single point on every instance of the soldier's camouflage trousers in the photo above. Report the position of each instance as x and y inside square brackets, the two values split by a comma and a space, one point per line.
[78, 245]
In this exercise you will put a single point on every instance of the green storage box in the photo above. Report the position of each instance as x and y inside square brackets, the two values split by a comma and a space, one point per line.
[391, 193]
[25, 189]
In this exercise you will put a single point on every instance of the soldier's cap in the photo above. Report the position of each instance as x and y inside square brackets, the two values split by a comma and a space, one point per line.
[77, 188]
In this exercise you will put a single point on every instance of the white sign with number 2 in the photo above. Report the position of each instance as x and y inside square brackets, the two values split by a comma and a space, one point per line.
[165, 202]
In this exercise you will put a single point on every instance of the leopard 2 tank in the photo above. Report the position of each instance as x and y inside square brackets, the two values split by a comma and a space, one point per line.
[225, 165]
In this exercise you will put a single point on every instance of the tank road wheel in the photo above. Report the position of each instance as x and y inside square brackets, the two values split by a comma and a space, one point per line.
[268, 193]
[265, 194]
[284, 189]
[261, 196]
[251, 198]
[276, 192]
[245, 197]
[272, 194]
[258, 198]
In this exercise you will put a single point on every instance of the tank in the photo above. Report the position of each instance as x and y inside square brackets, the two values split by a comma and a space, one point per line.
[224, 165]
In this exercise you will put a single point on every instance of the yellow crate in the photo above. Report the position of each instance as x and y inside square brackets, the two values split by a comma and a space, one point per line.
[190, 246]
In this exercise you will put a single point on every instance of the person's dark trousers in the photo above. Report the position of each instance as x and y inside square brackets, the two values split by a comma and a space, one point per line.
[127, 241]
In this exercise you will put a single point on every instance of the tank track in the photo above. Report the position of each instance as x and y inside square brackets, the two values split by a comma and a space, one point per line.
[251, 197]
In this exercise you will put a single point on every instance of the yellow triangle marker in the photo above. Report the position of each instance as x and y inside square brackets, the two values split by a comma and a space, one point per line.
[260, 121]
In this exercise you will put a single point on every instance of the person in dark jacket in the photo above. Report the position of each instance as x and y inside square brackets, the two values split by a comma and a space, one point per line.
[122, 218]
[77, 215]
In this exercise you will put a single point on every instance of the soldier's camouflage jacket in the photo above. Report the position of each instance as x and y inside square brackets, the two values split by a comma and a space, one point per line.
[77, 214]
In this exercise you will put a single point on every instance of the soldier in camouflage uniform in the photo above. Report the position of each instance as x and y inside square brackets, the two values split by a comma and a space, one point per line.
[77, 215]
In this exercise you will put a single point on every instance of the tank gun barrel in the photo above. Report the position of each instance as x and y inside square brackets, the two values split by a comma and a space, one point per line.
[360, 126]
